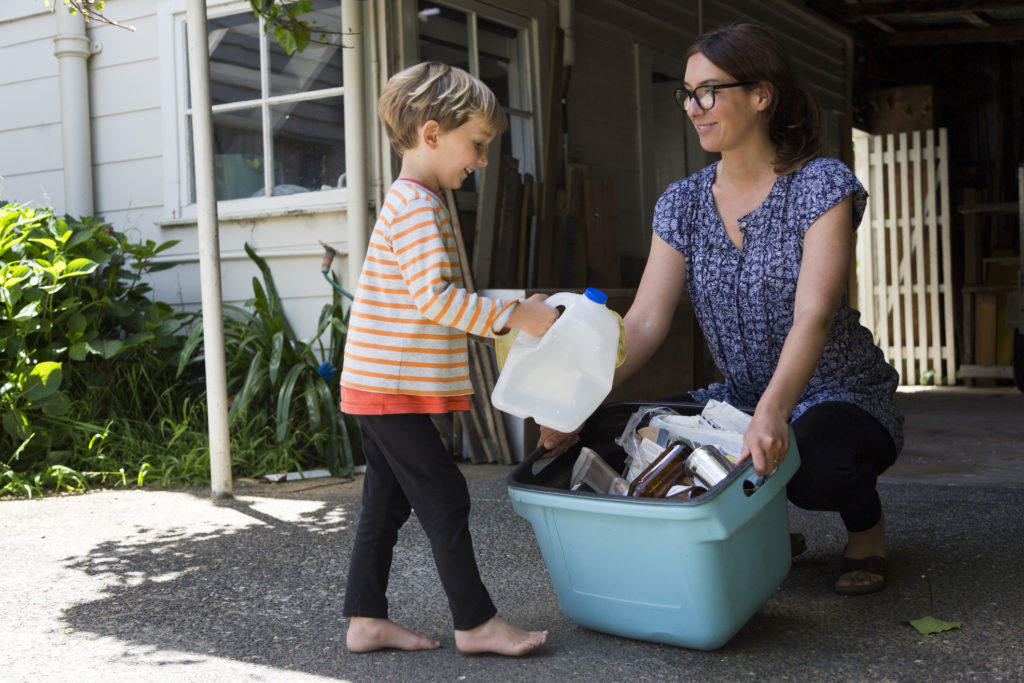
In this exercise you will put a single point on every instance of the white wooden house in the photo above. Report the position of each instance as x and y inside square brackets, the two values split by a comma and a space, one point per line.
[119, 145]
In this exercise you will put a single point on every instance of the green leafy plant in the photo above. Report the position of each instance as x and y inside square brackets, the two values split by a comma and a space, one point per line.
[75, 305]
[99, 384]
[278, 383]
[285, 17]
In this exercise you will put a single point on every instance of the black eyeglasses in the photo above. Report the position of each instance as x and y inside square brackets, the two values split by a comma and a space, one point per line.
[704, 95]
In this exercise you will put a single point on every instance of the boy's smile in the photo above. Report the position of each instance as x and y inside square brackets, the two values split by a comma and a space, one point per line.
[442, 160]
[461, 151]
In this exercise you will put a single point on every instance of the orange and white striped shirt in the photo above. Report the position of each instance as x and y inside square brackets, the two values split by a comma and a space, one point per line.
[408, 327]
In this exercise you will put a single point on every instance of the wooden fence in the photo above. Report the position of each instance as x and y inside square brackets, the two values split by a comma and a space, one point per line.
[904, 285]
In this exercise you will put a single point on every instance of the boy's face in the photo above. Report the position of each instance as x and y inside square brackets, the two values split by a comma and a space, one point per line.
[461, 151]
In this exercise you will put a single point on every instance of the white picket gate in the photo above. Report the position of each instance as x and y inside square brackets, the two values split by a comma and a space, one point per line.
[904, 285]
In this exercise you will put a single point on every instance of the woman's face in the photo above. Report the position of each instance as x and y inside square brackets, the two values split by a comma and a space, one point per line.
[735, 117]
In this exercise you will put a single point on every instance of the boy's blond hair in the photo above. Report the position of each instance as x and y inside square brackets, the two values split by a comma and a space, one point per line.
[432, 91]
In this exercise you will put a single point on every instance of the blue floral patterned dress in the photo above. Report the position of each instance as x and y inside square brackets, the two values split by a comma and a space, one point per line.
[744, 299]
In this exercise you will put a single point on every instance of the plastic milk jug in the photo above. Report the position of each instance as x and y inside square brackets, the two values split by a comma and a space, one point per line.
[561, 378]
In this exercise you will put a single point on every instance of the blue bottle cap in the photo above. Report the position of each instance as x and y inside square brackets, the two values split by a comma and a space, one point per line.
[596, 295]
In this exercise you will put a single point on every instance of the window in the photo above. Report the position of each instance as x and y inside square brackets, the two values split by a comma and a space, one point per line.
[493, 45]
[278, 119]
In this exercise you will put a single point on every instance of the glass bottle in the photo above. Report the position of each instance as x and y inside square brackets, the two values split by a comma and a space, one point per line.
[663, 473]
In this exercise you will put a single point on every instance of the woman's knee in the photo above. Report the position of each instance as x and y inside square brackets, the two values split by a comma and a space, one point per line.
[830, 478]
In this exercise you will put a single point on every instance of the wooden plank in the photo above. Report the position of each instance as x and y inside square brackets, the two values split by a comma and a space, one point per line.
[913, 373]
[492, 419]
[954, 36]
[552, 123]
[949, 345]
[495, 435]
[987, 371]
[483, 248]
[866, 236]
[497, 419]
[918, 241]
[892, 228]
[505, 263]
[453, 210]
[601, 221]
[985, 344]
[471, 430]
[932, 221]
[880, 321]
[483, 446]
[971, 276]
[971, 208]
[571, 260]
[526, 215]
[531, 255]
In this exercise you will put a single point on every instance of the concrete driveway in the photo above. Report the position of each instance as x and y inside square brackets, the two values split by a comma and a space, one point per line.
[168, 586]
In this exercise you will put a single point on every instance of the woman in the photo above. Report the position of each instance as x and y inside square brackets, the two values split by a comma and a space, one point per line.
[763, 239]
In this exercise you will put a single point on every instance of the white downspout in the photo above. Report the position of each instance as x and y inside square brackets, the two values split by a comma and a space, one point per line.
[353, 69]
[209, 251]
[73, 49]
[567, 22]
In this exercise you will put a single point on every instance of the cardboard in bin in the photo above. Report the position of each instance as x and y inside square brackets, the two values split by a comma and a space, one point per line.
[688, 573]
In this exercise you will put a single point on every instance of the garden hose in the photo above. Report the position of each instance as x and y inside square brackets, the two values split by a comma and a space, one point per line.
[325, 268]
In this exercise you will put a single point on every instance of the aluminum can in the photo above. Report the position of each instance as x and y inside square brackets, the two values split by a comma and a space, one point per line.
[708, 465]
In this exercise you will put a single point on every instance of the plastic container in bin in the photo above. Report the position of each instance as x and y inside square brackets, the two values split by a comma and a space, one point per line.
[688, 573]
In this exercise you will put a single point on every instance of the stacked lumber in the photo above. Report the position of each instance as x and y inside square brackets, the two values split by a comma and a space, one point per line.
[483, 429]
[526, 234]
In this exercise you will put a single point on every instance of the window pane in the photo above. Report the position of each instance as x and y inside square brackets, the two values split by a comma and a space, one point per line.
[518, 142]
[234, 58]
[309, 145]
[238, 154]
[444, 36]
[498, 50]
[319, 65]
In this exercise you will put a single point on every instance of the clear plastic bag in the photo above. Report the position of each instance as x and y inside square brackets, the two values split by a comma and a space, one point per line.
[719, 424]
[638, 458]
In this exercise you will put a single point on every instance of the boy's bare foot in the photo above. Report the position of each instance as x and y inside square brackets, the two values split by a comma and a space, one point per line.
[366, 634]
[499, 636]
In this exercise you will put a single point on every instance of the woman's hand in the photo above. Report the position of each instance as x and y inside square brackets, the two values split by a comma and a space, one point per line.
[556, 443]
[766, 440]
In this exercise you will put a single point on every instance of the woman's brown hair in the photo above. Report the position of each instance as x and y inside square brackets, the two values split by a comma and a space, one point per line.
[749, 52]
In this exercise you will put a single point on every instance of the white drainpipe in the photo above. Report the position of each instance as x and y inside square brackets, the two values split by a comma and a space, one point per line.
[209, 251]
[73, 49]
[353, 66]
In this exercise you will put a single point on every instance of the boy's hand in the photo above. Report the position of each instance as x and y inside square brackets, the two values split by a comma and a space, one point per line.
[533, 316]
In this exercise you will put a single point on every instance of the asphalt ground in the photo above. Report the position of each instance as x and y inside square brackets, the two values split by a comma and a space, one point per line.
[160, 586]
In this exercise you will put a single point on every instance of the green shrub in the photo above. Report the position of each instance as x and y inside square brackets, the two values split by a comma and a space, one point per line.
[75, 309]
[278, 383]
[99, 384]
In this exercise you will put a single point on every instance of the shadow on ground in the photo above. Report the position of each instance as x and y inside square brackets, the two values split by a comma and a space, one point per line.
[268, 589]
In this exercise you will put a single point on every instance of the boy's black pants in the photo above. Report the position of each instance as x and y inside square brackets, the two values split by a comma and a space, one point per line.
[409, 468]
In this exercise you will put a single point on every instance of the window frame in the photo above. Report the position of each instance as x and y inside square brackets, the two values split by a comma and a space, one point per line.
[178, 157]
[513, 15]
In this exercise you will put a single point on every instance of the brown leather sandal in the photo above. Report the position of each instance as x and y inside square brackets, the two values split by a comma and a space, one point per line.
[873, 565]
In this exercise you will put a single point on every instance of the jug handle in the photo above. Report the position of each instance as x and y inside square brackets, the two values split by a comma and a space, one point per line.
[567, 299]
[562, 299]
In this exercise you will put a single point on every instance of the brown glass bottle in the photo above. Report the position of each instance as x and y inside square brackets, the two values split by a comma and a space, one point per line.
[663, 473]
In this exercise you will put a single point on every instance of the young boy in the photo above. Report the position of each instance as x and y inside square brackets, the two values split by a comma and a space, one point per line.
[406, 357]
